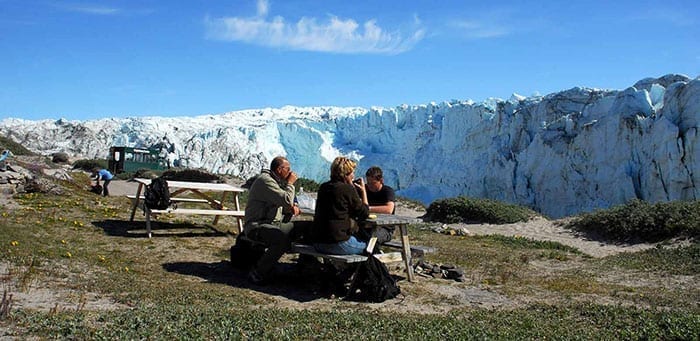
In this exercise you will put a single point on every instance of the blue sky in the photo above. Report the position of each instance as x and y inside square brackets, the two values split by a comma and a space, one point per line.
[92, 59]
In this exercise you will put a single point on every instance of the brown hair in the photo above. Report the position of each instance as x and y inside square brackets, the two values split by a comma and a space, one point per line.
[342, 167]
[374, 172]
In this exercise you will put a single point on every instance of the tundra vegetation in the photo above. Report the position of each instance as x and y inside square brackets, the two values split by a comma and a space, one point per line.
[104, 280]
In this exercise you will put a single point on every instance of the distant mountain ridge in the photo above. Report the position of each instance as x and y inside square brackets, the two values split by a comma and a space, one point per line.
[563, 153]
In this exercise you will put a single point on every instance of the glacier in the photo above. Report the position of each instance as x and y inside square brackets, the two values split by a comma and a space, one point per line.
[563, 153]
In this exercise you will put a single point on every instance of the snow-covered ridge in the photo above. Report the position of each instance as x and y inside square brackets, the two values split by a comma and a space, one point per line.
[563, 153]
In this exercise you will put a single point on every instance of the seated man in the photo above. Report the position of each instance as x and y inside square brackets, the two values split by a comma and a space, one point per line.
[271, 196]
[381, 199]
[380, 196]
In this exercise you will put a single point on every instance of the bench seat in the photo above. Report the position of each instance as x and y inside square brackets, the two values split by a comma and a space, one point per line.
[239, 214]
[173, 199]
[389, 257]
[417, 250]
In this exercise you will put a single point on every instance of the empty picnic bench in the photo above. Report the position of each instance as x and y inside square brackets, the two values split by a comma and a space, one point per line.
[199, 189]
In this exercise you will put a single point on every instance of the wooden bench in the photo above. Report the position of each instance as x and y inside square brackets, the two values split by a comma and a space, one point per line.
[306, 249]
[416, 250]
[389, 257]
[190, 211]
[174, 199]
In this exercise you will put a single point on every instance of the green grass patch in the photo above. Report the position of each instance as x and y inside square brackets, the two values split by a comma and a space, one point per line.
[684, 260]
[218, 321]
[641, 221]
[465, 209]
[14, 147]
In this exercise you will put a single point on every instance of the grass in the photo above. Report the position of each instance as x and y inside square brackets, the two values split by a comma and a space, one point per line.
[641, 221]
[218, 321]
[14, 147]
[683, 260]
[178, 286]
[466, 209]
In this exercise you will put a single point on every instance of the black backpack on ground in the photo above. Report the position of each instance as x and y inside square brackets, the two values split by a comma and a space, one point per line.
[244, 254]
[97, 189]
[372, 282]
[157, 196]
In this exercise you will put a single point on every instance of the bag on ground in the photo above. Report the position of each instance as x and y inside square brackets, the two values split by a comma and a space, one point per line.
[157, 196]
[372, 282]
[244, 254]
[97, 189]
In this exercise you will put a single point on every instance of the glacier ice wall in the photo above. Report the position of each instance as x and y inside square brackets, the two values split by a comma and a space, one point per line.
[563, 153]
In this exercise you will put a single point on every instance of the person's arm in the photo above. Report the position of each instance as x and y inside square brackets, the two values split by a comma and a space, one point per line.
[279, 195]
[361, 206]
[384, 201]
[387, 208]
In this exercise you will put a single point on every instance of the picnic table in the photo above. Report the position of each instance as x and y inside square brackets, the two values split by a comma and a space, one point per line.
[201, 191]
[395, 221]
[400, 222]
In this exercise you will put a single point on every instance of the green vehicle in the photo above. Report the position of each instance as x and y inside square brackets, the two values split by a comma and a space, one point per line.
[127, 159]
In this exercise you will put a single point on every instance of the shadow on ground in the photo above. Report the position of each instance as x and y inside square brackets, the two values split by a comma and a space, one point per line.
[137, 229]
[298, 282]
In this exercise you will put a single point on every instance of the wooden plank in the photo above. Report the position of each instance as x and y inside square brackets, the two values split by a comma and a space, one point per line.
[414, 248]
[175, 199]
[199, 211]
[310, 250]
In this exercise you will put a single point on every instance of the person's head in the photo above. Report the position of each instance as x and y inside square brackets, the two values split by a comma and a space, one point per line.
[343, 169]
[281, 167]
[95, 170]
[375, 178]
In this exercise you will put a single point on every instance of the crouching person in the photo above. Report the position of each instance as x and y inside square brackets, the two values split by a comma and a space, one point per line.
[271, 196]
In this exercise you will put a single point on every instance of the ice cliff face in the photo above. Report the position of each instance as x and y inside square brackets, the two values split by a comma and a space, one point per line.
[563, 153]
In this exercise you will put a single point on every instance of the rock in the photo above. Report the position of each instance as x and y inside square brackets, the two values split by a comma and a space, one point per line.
[60, 157]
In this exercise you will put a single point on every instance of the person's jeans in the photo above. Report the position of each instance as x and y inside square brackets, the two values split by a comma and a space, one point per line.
[352, 246]
[105, 187]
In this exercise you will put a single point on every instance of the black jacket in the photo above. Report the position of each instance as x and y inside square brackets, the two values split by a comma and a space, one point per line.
[338, 208]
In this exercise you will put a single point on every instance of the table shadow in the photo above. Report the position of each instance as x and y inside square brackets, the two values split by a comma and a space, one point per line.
[137, 229]
[291, 281]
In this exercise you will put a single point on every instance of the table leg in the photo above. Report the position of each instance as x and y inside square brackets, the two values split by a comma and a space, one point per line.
[136, 201]
[238, 208]
[406, 251]
[148, 222]
[220, 206]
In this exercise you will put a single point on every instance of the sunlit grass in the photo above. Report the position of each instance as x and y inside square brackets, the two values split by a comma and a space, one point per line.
[551, 290]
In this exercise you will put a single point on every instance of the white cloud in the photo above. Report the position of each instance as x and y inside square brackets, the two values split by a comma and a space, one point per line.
[263, 8]
[479, 29]
[335, 35]
[97, 10]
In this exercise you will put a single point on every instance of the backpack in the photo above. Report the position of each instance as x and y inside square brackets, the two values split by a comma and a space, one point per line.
[372, 282]
[157, 196]
[244, 254]
[97, 189]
